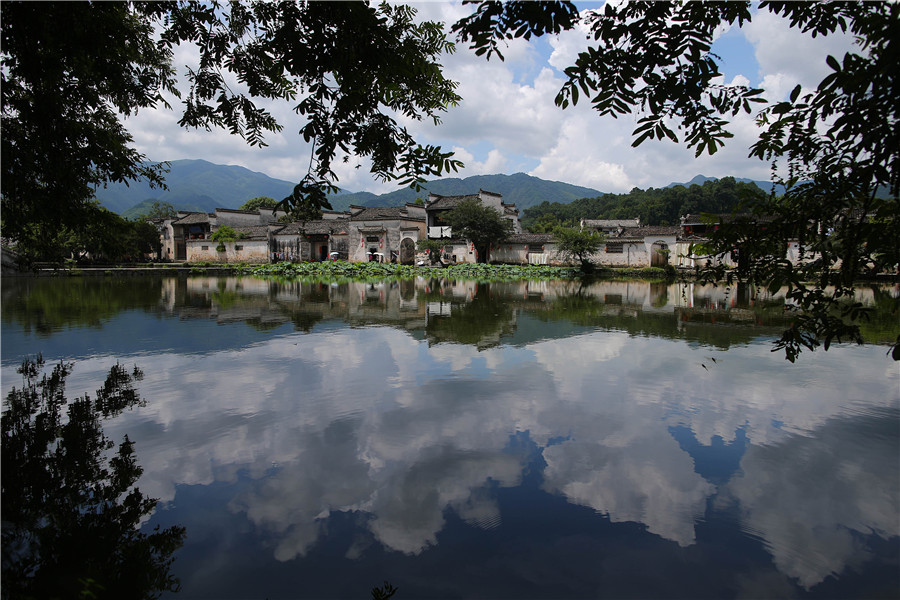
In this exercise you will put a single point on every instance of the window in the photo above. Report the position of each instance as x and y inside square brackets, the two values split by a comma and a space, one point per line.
[236, 247]
[204, 247]
[614, 248]
[538, 248]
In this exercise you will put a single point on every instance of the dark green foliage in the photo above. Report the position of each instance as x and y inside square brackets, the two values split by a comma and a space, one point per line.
[225, 233]
[434, 248]
[578, 244]
[482, 225]
[100, 237]
[663, 206]
[493, 22]
[258, 202]
[648, 55]
[70, 506]
[838, 146]
[384, 592]
[158, 210]
[841, 143]
[71, 70]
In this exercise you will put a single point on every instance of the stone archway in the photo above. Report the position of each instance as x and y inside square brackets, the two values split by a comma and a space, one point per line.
[659, 254]
[407, 251]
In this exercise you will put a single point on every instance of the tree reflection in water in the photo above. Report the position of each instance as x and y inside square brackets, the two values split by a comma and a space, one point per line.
[71, 510]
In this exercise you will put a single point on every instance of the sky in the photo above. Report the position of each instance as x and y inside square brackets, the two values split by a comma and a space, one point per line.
[507, 121]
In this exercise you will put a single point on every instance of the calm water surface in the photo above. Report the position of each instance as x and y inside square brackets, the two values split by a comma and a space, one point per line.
[526, 440]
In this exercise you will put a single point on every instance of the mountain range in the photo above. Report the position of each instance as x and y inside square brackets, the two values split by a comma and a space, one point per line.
[203, 186]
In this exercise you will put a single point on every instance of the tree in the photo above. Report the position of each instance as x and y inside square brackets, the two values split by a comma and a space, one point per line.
[434, 249]
[72, 71]
[838, 145]
[259, 202]
[663, 206]
[71, 509]
[161, 210]
[225, 233]
[302, 212]
[546, 223]
[481, 225]
[101, 235]
[578, 244]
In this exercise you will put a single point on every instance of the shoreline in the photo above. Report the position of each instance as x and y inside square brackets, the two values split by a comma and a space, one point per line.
[368, 271]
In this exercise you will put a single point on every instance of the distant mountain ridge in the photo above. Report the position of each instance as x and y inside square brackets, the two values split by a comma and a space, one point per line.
[520, 189]
[199, 185]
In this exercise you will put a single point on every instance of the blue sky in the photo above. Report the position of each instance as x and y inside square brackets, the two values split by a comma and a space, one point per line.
[508, 122]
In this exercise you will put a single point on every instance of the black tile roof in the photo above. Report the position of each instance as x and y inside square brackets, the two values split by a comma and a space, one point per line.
[192, 219]
[448, 202]
[384, 213]
[316, 227]
[640, 232]
[252, 232]
[530, 238]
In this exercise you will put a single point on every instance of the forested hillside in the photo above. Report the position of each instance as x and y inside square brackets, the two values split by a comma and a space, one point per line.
[196, 185]
[519, 189]
[663, 206]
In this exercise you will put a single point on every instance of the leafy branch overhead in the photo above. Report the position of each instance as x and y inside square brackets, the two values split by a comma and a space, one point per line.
[347, 65]
[835, 148]
[652, 57]
[350, 70]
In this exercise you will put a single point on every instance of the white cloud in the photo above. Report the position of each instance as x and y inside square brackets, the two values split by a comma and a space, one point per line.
[787, 56]
[507, 120]
[494, 163]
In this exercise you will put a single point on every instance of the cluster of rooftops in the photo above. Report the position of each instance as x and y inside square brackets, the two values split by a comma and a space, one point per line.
[363, 231]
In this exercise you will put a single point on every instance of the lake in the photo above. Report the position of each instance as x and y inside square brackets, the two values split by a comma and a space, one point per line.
[506, 440]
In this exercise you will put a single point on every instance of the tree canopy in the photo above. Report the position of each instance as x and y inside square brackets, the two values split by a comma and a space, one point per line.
[71, 507]
[834, 148]
[578, 244]
[664, 206]
[259, 202]
[160, 210]
[101, 236]
[71, 72]
[482, 225]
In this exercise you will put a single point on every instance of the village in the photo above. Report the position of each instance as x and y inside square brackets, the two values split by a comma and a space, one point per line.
[391, 234]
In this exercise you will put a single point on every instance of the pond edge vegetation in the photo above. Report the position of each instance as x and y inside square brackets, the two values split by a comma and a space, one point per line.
[371, 271]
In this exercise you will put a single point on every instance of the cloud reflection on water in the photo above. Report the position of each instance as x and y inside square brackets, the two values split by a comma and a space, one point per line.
[405, 448]
[370, 421]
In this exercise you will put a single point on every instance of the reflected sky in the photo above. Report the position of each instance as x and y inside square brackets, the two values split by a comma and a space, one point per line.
[363, 434]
